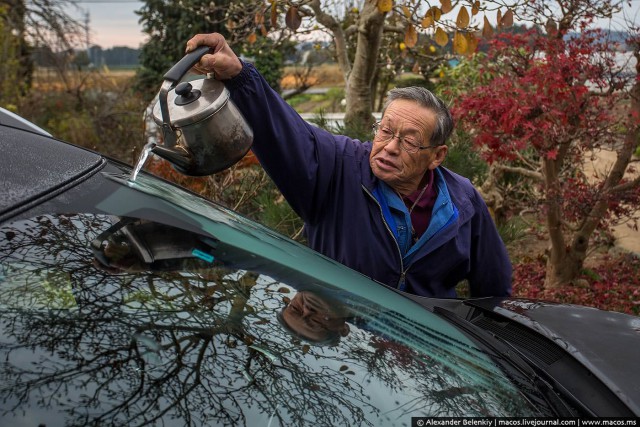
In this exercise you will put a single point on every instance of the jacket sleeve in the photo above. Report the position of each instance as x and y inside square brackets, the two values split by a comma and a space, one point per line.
[301, 159]
[491, 269]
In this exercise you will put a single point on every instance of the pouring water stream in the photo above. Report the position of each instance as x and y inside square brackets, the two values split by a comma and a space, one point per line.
[141, 160]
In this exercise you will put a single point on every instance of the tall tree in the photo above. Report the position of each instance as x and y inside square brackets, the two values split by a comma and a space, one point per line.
[14, 68]
[358, 30]
[168, 25]
[24, 24]
[43, 22]
[557, 101]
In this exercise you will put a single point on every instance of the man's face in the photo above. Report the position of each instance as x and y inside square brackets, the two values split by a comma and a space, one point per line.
[401, 170]
[314, 318]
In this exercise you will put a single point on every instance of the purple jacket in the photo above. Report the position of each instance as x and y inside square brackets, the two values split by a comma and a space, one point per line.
[328, 181]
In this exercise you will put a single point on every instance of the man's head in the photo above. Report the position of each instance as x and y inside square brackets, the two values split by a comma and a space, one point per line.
[410, 138]
[314, 319]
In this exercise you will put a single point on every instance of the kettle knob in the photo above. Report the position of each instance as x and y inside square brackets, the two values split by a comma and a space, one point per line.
[185, 94]
[183, 88]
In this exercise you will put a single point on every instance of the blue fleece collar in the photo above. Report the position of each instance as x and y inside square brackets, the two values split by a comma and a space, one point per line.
[397, 215]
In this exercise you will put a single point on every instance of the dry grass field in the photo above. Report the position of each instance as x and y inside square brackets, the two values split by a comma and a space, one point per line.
[325, 75]
[48, 79]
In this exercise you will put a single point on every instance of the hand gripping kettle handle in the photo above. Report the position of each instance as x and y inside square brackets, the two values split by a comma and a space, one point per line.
[187, 62]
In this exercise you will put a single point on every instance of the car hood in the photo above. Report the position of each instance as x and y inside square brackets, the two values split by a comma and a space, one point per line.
[605, 342]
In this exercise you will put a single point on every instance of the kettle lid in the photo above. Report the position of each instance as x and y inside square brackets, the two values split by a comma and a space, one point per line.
[191, 102]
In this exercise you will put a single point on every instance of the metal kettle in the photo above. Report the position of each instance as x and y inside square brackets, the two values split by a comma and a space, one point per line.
[203, 130]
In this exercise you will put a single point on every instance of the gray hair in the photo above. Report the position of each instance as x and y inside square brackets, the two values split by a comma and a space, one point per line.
[424, 97]
[331, 339]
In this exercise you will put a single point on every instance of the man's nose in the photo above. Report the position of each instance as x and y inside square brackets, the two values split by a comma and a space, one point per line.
[306, 311]
[394, 144]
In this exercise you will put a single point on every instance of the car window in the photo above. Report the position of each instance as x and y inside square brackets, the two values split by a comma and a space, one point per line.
[129, 320]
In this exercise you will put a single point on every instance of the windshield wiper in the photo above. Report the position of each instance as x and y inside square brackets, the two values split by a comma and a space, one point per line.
[505, 354]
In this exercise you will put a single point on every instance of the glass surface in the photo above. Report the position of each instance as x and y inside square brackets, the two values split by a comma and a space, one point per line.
[172, 311]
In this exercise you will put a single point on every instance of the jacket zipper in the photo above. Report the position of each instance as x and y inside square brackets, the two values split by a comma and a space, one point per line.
[402, 270]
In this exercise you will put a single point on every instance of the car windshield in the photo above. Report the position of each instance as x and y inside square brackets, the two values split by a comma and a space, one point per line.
[140, 303]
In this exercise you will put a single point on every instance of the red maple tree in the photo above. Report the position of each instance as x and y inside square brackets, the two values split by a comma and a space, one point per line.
[555, 102]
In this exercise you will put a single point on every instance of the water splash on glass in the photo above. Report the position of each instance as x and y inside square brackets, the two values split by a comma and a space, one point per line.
[141, 160]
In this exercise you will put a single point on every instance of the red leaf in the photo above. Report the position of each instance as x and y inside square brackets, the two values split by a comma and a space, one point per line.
[293, 19]
[552, 154]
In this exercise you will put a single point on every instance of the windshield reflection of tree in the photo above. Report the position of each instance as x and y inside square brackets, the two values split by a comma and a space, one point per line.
[201, 344]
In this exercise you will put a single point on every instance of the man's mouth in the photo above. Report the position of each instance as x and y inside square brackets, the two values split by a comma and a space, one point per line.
[385, 164]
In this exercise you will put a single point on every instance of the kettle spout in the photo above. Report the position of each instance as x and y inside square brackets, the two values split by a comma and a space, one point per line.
[181, 159]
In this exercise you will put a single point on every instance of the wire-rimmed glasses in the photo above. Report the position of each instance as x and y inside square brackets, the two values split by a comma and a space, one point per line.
[409, 144]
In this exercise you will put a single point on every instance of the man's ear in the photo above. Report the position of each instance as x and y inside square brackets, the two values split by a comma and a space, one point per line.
[440, 155]
[344, 330]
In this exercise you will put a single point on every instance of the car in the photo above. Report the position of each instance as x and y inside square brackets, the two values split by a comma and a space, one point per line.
[136, 302]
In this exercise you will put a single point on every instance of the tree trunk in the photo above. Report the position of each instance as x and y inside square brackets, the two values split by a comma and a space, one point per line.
[559, 264]
[359, 74]
[339, 36]
[564, 266]
[565, 263]
[490, 192]
[359, 94]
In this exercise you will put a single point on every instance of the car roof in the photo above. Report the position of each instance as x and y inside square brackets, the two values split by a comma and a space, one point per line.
[8, 118]
[34, 166]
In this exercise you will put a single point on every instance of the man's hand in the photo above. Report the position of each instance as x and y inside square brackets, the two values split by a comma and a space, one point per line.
[223, 61]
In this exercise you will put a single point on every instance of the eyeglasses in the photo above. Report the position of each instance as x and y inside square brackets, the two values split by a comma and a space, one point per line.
[407, 143]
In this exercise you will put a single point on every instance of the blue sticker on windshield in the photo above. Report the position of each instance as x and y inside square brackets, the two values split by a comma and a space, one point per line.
[202, 255]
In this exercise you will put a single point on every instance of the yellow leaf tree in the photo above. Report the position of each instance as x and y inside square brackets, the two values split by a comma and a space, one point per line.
[427, 33]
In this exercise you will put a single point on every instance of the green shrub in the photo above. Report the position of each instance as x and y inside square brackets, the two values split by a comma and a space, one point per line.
[336, 95]
[513, 230]
[273, 211]
[362, 133]
[412, 80]
[463, 159]
[301, 98]
[109, 121]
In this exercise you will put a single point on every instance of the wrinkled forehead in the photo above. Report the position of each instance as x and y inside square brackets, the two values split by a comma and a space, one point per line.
[409, 116]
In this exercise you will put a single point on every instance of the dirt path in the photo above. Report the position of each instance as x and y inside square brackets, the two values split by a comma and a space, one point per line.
[626, 238]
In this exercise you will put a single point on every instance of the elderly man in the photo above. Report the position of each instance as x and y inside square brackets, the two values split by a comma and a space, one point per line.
[386, 208]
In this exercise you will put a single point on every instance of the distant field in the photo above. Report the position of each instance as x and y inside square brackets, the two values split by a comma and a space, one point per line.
[113, 71]
[122, 72]
[104, 78]
[325, 75]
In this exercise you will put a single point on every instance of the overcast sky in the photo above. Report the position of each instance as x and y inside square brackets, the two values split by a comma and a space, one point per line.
[114, 23]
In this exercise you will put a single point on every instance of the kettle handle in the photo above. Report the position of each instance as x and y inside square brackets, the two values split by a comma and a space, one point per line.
[187, 62]
[171, 79]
